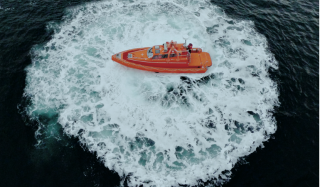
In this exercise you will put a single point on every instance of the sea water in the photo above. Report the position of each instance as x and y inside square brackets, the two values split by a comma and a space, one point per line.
[155, 129]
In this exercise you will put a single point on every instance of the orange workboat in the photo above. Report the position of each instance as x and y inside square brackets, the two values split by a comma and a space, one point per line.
[167, 58]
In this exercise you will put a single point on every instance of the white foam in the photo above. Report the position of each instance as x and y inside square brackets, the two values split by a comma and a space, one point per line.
[159, 129]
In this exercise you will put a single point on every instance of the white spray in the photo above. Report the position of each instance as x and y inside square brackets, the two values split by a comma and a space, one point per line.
[161, 129]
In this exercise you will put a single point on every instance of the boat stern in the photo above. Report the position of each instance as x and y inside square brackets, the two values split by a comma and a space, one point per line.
[206, 59]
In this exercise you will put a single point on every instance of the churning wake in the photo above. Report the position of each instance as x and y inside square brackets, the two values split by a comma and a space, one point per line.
[156, 129]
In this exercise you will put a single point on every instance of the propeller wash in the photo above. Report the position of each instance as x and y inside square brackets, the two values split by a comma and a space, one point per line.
[155, 129]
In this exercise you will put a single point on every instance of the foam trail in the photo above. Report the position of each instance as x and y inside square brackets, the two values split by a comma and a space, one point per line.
[160, 129]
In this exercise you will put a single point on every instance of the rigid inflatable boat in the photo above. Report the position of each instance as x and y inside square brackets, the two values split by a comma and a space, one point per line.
[167, 58]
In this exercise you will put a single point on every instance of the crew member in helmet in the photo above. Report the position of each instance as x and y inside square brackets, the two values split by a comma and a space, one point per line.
[189, 47]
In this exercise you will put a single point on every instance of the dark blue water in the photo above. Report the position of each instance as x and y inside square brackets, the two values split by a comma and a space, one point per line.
[289, 158]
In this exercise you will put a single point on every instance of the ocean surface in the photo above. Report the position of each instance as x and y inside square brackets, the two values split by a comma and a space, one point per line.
[72, 117]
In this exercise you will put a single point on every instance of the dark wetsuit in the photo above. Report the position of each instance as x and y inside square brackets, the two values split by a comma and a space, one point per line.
[189, 47]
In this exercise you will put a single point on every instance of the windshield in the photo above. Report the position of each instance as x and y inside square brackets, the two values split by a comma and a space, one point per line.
[150, 53]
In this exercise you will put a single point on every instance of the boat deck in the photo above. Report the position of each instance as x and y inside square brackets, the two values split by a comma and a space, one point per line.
[199, 59]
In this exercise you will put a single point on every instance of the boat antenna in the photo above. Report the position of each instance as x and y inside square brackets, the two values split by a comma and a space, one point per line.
[185, 37]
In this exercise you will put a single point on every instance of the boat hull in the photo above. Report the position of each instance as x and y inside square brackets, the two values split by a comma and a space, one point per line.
[166, 67]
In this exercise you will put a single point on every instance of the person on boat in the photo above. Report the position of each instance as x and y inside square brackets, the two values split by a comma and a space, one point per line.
[189, 47]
